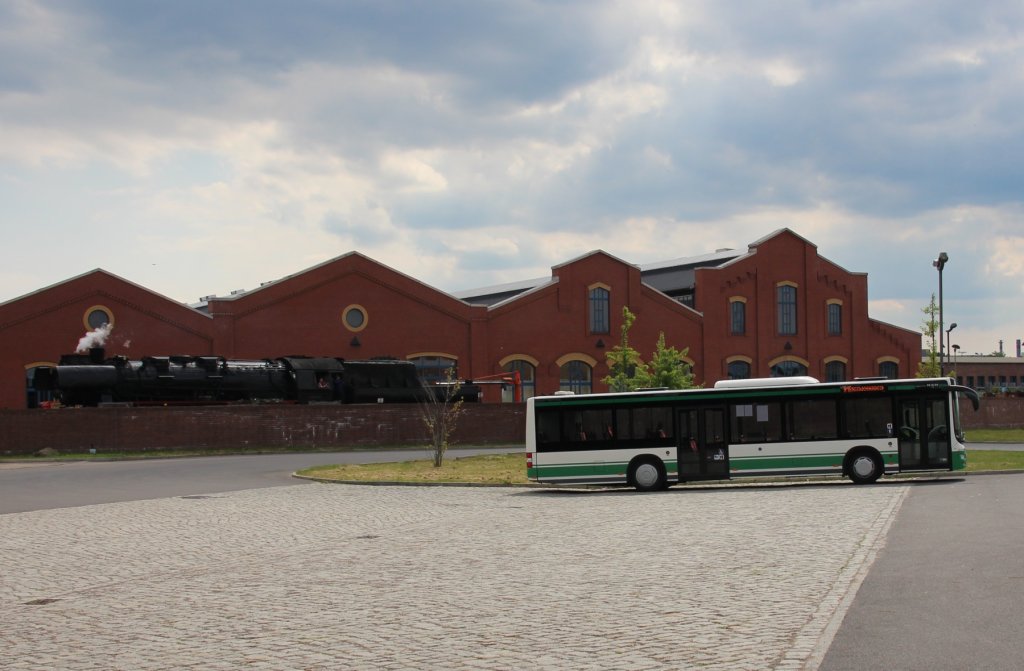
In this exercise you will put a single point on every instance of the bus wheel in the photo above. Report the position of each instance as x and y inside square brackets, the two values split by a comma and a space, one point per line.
[647, 476]
[864, 467]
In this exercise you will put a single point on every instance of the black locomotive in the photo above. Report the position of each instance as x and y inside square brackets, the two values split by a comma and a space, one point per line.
[90, 380]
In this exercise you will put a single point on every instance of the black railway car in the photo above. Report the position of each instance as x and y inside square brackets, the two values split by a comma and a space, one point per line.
[90, 380]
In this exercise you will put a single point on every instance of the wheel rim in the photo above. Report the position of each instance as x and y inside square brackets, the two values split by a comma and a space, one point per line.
[864, 466]
[646, 475]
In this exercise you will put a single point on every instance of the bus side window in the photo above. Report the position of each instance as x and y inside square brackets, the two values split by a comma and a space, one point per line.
[548, 427]
[866, 417]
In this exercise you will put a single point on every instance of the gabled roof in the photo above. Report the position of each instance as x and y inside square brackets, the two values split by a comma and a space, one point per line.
[236, 295]
[514, 289]
[522, 294]
[717, 257]
[593, 252]
[495, 289]
[105, 273]
[774, 234]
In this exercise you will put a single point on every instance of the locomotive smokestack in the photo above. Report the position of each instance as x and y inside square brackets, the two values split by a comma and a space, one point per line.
[96, 354]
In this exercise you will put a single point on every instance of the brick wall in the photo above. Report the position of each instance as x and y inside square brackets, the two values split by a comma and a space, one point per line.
[995, 412]
[250, 427]
[253, 427]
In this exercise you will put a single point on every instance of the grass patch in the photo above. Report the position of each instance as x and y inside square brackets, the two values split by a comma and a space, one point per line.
[510, 469]
[490, 469]
[994, 460]
[995, 435]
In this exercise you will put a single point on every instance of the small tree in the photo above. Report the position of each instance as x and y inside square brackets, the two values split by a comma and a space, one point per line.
[626, 370]
[668, 368]
[931, 366]
[440, 409]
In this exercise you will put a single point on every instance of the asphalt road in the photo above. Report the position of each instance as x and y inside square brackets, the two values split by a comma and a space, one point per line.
[947, 591]
[26, 486]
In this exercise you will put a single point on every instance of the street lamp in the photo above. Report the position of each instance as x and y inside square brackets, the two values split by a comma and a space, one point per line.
[956, 351]
[949, 340]
[940, 263]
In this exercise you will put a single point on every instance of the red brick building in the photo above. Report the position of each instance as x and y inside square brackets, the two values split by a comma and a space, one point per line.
[990, 374]
[776, 309]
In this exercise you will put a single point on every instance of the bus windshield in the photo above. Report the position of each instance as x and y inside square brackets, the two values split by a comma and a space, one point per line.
[975, 401]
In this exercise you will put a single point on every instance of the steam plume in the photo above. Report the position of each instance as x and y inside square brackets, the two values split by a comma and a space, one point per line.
[95, 338]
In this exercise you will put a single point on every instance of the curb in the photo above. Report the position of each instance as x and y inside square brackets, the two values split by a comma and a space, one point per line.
[899, 478]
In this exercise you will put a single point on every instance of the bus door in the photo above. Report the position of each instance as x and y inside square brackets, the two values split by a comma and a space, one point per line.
[703, 450]
[923, 433]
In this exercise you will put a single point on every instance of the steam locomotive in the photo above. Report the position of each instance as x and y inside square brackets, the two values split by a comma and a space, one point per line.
[91, 379]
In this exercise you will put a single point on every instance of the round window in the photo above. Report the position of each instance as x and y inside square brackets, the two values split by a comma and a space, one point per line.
[97, 316]
[354, 317]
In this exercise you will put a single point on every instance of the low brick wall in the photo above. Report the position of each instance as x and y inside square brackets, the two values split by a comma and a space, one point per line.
[124, 429]
[995, 412]
[71, 430]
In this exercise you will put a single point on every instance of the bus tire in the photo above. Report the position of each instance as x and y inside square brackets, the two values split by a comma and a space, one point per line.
[647, 475]
[864, 466]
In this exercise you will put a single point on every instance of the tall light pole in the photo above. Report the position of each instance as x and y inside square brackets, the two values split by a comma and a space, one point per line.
[940, 263]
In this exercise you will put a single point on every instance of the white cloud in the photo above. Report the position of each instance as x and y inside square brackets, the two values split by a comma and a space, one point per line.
[1007, 261]
[232, 152]
[414, 171]
[782, 73]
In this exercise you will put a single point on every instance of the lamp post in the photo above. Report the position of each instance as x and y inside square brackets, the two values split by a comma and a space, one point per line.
[948, 341]
[956, 350]
[940, 263]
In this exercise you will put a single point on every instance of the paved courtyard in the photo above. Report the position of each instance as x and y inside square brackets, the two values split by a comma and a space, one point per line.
[323, 576]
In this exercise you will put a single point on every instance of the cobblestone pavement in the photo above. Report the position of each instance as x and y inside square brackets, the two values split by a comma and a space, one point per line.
[322, 576]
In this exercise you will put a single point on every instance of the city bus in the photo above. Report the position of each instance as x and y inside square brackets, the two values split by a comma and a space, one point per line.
[652, 439]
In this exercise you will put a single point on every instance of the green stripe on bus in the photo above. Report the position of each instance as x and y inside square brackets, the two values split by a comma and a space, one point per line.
[791, 461]
[611, 468]
[786, 462]
[581, 470]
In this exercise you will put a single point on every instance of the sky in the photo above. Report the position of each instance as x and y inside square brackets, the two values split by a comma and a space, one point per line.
[197, 147]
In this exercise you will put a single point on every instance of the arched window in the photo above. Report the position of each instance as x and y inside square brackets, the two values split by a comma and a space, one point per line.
[835, 318]
[786, 304]
[527, 376]
[889, 369]
[600, 309]
[788, 368]
[737, 316]
[835, 371]
[36, 397]
[575, 376]
[738, 370]
[435, 367]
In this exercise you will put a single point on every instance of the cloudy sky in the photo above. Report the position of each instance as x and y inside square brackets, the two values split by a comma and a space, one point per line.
[196, 147]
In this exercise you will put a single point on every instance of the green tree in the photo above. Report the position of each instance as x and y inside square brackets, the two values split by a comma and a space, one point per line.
[931, 366]
[627, 371]
[668, 367]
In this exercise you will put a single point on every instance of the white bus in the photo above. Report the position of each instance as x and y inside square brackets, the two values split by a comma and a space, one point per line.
[758, 427]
